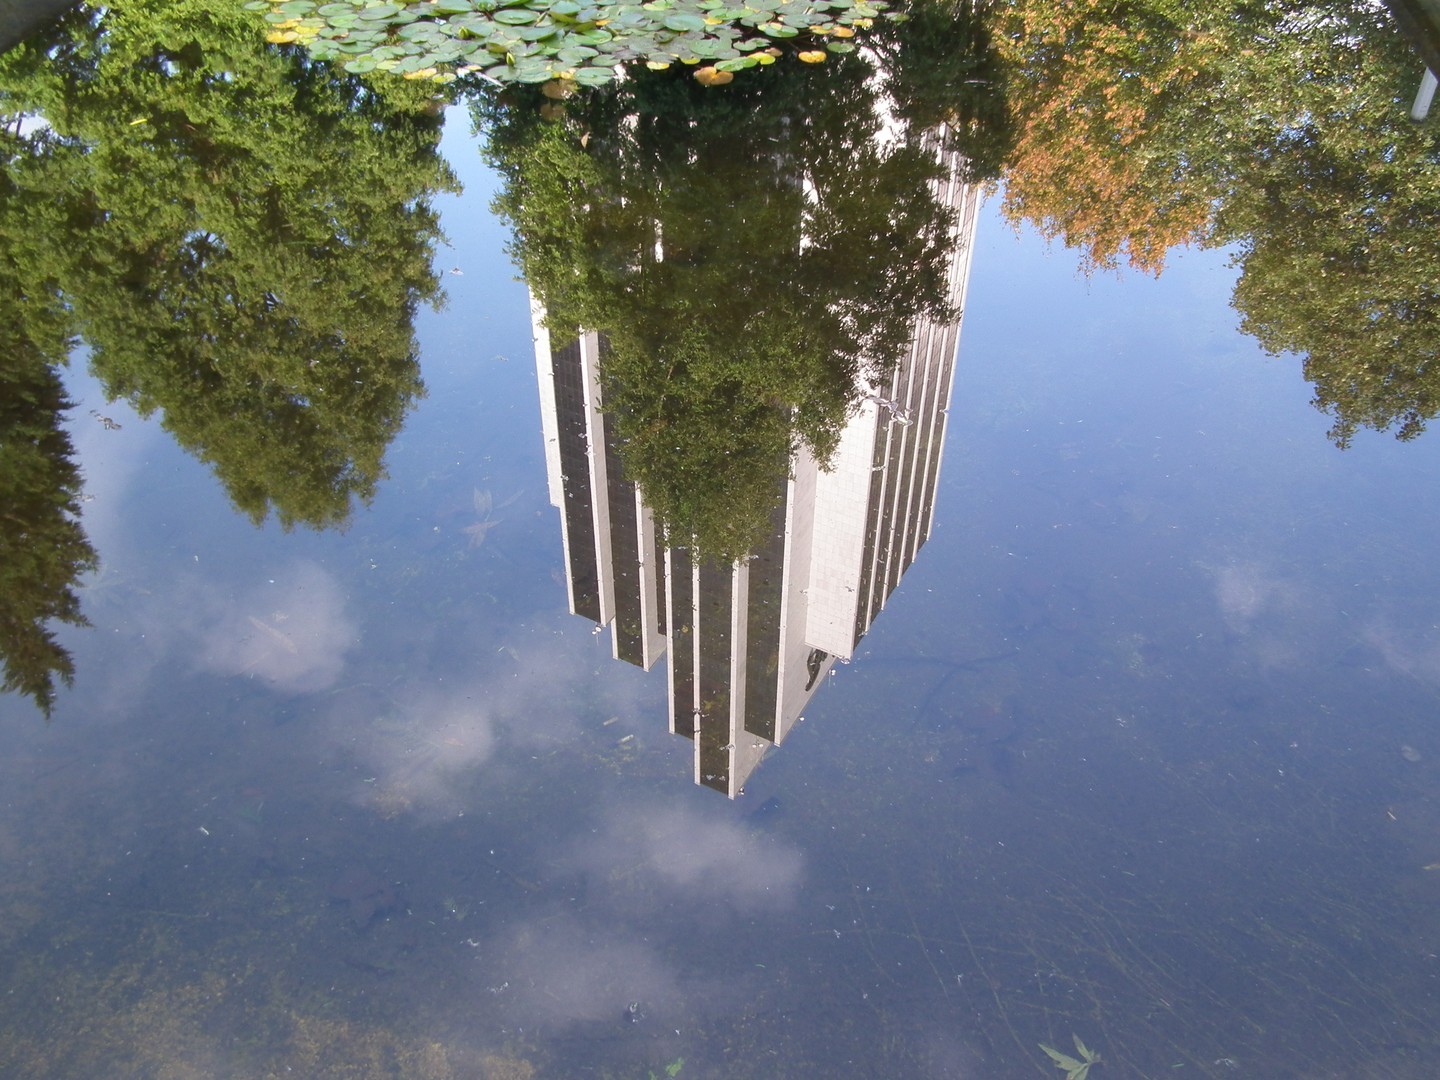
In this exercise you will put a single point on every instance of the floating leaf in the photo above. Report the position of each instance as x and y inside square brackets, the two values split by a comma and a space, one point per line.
[545, 40]
[594, 76]
[711, 76]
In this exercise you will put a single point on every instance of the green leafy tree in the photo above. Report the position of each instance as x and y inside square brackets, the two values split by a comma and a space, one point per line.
[1279, 129]
[750, 252]
[249, 238]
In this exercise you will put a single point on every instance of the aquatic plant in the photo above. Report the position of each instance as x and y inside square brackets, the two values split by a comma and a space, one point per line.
[577, 42]
[1074, 1070]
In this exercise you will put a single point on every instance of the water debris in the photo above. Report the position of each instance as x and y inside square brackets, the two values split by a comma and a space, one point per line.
[1409, 753]
[279, 637]
[1074, 1070]
[485, 507]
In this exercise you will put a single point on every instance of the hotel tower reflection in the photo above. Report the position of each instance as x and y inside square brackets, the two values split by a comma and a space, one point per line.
[749, 644]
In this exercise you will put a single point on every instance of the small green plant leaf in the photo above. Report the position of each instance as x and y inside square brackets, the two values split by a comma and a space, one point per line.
[1063, 1061]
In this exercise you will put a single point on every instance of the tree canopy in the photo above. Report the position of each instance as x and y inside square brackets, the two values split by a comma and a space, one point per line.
[750, 257]
[240, 235]
[247, 235]
[1280, 130]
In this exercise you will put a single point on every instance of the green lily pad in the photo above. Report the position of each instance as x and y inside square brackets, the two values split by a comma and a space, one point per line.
[594, 76]
[545, 39]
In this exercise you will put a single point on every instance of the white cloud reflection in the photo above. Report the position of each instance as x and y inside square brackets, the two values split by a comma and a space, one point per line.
[420, 755]
[1413, 652]
[292, 632]
[706, 859]
[1245, 592]
[558, 972]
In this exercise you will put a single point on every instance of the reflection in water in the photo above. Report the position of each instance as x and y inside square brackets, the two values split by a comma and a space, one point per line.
[744, 296]
[1281, 130]
[1152, 765]
[748, 643]
[838, 511]
[43, 549]
[240, 238]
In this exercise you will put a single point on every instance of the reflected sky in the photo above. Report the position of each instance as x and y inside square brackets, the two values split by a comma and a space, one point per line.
[1142, 751]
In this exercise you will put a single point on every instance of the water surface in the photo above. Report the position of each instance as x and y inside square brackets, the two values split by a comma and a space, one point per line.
[1141, 751]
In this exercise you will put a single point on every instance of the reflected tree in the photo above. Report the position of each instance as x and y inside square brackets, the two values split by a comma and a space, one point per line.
[247, 243]
[240, 236]
[751, 253]
[43, 549]
[1280, 129]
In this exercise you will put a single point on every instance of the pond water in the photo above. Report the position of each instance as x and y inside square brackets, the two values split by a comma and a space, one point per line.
[1141, 752]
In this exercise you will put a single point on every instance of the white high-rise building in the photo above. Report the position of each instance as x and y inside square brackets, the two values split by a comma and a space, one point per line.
[749, 644]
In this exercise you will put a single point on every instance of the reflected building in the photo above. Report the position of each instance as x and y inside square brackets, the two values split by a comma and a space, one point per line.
[749, 644]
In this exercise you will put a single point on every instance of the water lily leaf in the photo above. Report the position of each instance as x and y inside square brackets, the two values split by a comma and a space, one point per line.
[544, 40]
[684, 20]
[575, 55]
[710, 76]
[531, 71]
[594, 76]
